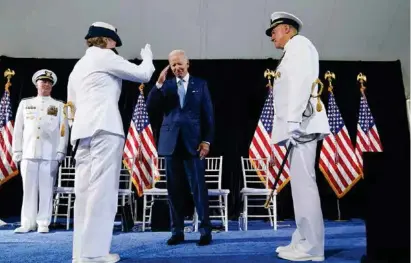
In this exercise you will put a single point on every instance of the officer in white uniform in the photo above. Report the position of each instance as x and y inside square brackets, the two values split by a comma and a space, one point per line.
[300, 118]
[94, 89]
[39, 144]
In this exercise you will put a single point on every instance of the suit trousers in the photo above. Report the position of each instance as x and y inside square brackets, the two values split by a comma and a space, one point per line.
[182, 166]
[309, 235]
[98, 164]
[38, 177]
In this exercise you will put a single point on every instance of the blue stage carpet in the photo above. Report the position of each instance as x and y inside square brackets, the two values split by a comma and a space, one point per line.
[345, 242]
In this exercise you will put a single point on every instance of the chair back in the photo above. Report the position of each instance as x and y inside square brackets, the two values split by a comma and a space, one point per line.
[213, 172]
[255, 172]
[66, 173]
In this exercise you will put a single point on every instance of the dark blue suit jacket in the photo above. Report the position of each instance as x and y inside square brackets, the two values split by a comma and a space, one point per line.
[195, 120]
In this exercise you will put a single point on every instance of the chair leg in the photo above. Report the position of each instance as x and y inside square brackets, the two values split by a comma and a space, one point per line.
[144, 212]
[270, 216]
[245, 213]
[135, 210]
[151, 209]
[275, 211]
[221, 204]
[226, 212]
[68, 212]
[195, 219]
[56, 207]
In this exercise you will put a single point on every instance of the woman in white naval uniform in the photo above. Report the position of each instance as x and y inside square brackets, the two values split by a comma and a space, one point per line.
[94, 89]
[39, 144]
[298, 121]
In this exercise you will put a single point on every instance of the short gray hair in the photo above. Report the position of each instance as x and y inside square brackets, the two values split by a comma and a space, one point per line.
[178, 52]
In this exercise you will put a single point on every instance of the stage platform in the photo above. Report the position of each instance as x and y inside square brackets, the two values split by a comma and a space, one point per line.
[345, 243]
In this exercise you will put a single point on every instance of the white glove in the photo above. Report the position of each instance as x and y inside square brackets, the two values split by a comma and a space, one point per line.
[17, 157]
[146, 53]
[60, 157]
[294, 131]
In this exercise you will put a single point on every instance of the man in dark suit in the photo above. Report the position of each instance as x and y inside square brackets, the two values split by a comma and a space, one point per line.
[185, 137]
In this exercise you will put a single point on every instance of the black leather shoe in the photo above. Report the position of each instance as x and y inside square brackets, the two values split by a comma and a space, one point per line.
[204, 240]
[175, 240]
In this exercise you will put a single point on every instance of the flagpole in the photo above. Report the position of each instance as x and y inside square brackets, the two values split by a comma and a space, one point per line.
[9, 74]
[362, 78]
[330, 76]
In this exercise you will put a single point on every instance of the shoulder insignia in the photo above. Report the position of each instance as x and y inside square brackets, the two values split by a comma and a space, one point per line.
[28, 98]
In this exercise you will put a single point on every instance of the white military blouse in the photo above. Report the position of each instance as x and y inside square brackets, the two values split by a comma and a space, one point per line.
[298, 70]
[94, 88]
[37, 129]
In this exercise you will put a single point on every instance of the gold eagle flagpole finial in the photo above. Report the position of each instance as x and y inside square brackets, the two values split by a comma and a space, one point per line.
[329, 76]
[362, 78]
[8, 74]
[269, 74]
[141, 88]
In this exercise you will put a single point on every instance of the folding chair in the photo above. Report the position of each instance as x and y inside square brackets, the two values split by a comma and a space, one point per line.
[125, 192]
[64, 191]
[256, 190]
[158, 191]
[218, 197]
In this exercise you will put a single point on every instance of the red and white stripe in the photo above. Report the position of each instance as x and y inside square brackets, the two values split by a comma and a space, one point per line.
[260, 148]
[338, 162]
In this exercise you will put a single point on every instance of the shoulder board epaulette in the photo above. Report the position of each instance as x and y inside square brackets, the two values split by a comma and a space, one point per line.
[27, 98]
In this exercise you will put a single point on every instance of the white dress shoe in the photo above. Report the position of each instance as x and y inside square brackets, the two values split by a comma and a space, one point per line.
[284, 248]
[295, 255]
[24, 229]
[43, 229]
[110, 258]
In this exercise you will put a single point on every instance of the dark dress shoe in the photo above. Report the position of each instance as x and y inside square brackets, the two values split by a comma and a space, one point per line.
[204, 240]
[175, 239]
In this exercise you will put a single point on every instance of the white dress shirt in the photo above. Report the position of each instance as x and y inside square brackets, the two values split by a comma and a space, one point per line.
[94, 88]
[185, 82]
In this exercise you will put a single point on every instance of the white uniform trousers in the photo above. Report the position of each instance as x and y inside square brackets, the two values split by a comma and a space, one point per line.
[98, 164]
[38, 183]
[309, 235]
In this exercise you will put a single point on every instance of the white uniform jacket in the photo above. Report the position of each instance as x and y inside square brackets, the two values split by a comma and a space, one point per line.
[37, 129]
[94, 88]
[298, 69]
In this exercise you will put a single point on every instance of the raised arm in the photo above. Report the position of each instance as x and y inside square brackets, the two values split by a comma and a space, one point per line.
[122, 68]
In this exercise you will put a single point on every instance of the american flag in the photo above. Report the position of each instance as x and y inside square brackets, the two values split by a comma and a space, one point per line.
[337, 161]
[368, 139]
[140, 142]
[260, 145]
[8, 168]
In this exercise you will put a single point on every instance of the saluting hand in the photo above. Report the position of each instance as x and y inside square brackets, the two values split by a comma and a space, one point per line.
[146, 52]
[163, 75]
